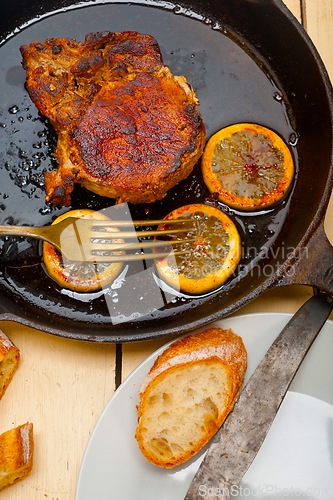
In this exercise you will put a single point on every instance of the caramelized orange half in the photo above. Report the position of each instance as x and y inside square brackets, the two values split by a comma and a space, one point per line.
[248, 165]
[210, 259]
[77, 275]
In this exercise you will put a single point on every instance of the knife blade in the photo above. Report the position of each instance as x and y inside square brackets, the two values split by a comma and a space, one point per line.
[237, 442]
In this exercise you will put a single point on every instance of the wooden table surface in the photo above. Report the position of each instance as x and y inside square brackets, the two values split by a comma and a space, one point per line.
[62, 385]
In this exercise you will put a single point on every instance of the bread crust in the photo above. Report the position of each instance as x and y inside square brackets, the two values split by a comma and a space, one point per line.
[9, 361]
[213, 349]
[16, 454]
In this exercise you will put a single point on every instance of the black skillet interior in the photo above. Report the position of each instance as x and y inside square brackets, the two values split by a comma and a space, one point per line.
[248, 61]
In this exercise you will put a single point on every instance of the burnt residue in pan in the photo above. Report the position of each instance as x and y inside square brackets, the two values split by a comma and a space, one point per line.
[232, 87]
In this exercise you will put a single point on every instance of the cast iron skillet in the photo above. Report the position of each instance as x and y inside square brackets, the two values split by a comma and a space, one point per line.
[248, 60]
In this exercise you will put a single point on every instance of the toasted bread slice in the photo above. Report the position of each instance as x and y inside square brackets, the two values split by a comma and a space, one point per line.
[16, 454]
[187, 395]
[9, 361]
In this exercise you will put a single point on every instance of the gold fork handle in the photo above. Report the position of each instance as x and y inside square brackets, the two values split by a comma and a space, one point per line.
[39, 233]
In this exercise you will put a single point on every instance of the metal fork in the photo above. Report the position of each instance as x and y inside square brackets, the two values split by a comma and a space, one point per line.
[95, 240]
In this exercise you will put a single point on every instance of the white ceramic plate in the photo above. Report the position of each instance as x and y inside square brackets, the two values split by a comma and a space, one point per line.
[296, 459]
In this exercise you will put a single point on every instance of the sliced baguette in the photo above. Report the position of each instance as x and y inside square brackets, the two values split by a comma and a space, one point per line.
[16, 454]
[187, 395]
[9, 361]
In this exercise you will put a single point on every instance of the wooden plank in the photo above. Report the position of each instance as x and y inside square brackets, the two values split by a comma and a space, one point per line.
[318, 16]
[61, 386]
[295, 7]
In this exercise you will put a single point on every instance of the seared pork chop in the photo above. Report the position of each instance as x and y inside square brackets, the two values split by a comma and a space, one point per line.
[127, 128]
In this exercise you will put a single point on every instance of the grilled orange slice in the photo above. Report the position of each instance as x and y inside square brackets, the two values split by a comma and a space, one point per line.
[80, 276]
[210, 259]
[248, 165]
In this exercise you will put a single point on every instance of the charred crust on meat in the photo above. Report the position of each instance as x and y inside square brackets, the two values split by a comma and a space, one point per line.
[68, 181]
[59, 192]
[56, 49]
[98, 40]
[87, 66]
[127, 128]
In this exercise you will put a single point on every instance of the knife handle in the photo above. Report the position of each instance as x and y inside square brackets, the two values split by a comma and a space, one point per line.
[237, 442]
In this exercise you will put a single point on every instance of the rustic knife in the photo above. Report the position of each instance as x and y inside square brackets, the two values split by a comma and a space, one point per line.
[237, 442]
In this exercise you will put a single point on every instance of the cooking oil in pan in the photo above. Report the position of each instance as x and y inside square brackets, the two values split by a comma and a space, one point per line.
[231, 87]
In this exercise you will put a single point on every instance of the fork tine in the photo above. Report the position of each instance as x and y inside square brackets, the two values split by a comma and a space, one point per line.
[135, 223]
[133, 234]
[132, 257]
[131, 246]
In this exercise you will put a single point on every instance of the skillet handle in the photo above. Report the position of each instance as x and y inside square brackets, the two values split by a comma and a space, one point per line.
[313, 265]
